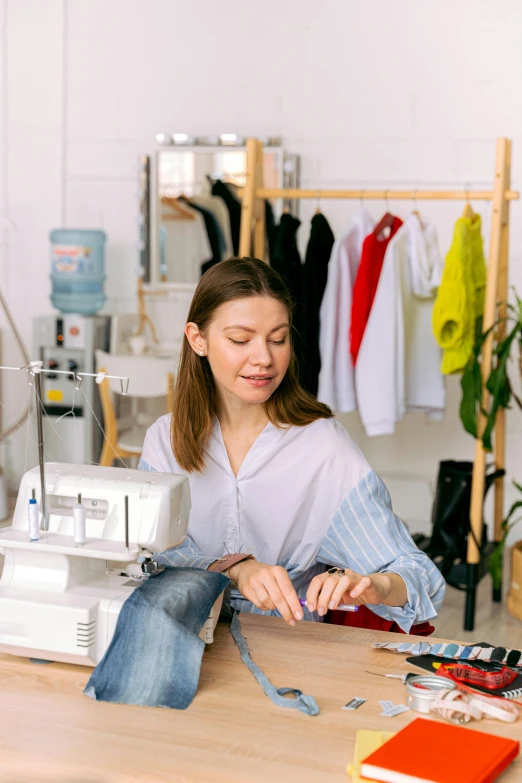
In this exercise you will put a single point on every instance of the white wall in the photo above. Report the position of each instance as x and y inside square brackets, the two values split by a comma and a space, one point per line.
[369, 93]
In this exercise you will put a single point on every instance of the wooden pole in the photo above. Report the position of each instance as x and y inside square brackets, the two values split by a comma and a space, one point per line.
[405, 195]
[499, 217]
[259, 208]
[500, 423]
[249, 197]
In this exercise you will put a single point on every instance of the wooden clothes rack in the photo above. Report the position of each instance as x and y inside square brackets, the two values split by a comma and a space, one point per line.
[495, 305]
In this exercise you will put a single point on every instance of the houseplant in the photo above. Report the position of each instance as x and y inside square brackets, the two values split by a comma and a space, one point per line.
[502, 393]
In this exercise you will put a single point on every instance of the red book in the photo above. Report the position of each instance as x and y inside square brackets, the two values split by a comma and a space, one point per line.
[429, 752]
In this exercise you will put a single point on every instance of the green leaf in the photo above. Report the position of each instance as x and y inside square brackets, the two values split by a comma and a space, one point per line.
[471, 383]
[516, 504]
[470, 400]
[495, 565]
[498, 385]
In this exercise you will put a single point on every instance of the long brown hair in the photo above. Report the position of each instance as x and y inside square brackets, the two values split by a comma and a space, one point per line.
[195, 392]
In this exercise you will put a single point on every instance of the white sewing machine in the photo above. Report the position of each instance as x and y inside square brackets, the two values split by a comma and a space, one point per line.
[59, 601]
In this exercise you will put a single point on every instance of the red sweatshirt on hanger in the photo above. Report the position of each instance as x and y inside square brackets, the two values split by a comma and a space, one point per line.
[366, 282]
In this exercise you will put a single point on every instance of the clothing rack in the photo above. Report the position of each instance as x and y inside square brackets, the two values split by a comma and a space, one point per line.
[495, 307]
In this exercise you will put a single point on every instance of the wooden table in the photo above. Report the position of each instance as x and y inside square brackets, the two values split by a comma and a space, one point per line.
[50, 731]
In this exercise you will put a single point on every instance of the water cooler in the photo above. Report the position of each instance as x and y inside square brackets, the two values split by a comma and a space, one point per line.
[68, 342]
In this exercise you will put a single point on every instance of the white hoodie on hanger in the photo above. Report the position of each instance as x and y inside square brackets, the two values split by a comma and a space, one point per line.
[398, 365]
[336, 378]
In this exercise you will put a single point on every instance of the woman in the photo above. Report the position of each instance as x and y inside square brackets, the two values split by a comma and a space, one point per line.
[280, 494]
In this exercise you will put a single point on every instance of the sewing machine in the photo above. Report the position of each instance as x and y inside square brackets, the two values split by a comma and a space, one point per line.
[59, 601]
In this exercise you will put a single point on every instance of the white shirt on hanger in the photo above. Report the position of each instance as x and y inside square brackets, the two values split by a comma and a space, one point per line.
[398, 366]
[336, 378]
[186, 246]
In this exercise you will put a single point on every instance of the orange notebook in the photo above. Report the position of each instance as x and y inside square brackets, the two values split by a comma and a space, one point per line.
[430, 752]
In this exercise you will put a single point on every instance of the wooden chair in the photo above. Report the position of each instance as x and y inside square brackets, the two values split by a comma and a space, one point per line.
[148, 378]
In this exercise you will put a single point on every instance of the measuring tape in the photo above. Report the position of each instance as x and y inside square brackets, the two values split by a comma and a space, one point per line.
[429, 693]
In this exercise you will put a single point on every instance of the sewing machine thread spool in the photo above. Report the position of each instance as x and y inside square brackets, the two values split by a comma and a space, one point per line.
[79, 523]
[126, 523]
[34, 518]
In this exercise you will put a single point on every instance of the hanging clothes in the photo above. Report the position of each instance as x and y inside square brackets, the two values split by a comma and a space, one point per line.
[271, 229]
[315, 275]
[287, 262]
[460, 299]
[398, 365]
[233, 205]
[336, 377]
[215, 237]
[366, 282]
[184, 246]
[217, 206]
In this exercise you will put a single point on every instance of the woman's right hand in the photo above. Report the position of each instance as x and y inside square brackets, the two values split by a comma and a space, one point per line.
[267, 587]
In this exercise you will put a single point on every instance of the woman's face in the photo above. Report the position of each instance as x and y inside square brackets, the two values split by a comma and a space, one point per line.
[248, 347]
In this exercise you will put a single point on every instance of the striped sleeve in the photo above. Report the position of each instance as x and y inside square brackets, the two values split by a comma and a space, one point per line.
[367, 537]
[186, 554]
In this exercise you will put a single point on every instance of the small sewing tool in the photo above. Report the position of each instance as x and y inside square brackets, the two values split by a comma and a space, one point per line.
[354, 703]
[401, 677]
[390, 710]
[341, 607]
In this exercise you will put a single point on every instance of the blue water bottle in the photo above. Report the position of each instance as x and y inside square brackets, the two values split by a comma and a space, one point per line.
[78, 270]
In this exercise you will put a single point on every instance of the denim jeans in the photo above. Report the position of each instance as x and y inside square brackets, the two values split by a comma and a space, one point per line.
[154, 657]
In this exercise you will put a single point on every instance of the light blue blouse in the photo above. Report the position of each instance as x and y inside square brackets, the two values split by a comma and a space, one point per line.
[306, 499]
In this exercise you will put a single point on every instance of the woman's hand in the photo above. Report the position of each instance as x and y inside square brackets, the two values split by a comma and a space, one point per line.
[327, 591]
[268, 587]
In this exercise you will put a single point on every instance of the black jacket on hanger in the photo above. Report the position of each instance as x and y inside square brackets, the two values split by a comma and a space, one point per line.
[286, 259]
[271, 229]
[287, 262]
[212, 228]
[234, 210]
[315, 274]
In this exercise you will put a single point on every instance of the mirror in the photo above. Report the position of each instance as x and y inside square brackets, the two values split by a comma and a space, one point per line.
[191, 211]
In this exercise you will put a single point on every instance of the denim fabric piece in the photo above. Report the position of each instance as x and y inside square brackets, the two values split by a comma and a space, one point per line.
[302, 701]
[154, 658]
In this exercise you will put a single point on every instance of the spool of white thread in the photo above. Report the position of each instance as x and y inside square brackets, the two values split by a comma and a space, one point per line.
[80, 533]
[33, 514]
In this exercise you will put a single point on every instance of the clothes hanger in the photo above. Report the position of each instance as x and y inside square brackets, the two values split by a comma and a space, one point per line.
[182, 213]
[468, 209]
[318, 203]
[416, 210]
[387, 219]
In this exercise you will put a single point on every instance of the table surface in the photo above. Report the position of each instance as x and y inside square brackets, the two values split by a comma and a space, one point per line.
[50, 731]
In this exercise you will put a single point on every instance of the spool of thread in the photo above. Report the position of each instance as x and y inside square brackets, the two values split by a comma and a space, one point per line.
[80, 532]
[33, 514]
[34, 518]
